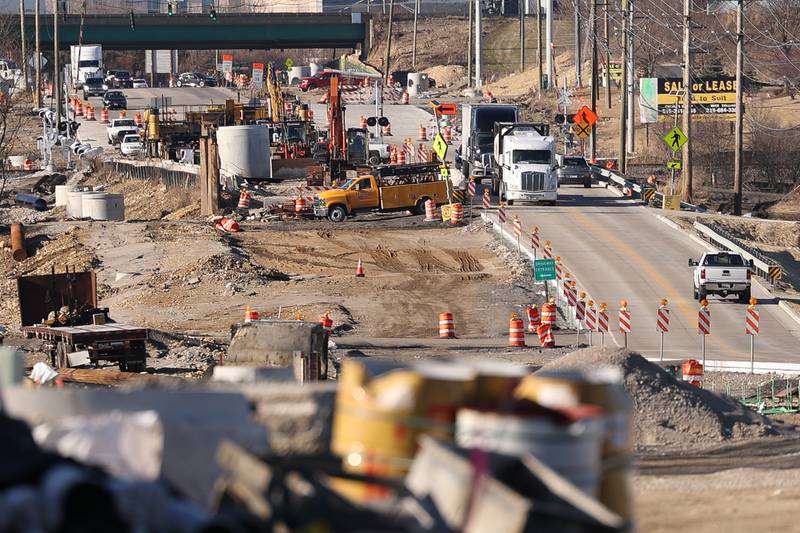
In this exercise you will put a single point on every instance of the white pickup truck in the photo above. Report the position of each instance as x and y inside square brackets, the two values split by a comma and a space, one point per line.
[120, 127]
[722, 273]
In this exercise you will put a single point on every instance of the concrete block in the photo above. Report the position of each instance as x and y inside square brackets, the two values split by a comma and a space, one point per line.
[251, 374]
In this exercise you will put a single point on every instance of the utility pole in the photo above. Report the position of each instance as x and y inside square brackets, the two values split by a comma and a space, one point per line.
[56, 68]
[521, 36]
[37, 62]
[539, 46]
[578, 58]
[623, 108]
[469, 45]
[608, 56]
[549, 43]
[389, 40]
[22, 38]
[593, 26]
[414, 45]
[478, 75]
[687, 101]
[631, 87]
[738, 152]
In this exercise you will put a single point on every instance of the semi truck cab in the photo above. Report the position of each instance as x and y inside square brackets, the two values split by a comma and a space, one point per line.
[525, 161]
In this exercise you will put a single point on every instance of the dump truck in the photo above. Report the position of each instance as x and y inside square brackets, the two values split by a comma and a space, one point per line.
[384, 190]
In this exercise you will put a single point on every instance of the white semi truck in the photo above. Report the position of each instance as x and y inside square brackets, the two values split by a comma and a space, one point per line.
[87, 62]
[525, 163]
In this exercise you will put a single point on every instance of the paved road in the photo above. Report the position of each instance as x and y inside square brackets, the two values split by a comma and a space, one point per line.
[619, 250]
[183, 99]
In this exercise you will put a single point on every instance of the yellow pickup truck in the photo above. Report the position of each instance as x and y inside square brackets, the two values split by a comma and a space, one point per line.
[366, 193]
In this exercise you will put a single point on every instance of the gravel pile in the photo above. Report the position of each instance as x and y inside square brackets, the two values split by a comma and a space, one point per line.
[670, 413]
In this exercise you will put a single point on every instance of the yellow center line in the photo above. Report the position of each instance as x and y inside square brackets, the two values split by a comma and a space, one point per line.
[671, 293]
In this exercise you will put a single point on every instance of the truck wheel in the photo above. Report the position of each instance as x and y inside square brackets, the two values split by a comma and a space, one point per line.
[178, 83]
[465, 169]
[337, 213]
[744, 297]
[419, 209]
[587, 184]
[701, 294]
[694, 292]
[374, 158]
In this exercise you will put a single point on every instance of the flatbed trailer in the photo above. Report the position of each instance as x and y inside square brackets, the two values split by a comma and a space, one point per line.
[119, 343]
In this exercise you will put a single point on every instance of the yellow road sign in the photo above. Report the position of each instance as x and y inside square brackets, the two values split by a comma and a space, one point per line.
[672, 201]
[675, 139]
[649, 194]
[775, 273]
[446, 210]
[674, 165]
[440, 146]
[444, 172]
[582, 129]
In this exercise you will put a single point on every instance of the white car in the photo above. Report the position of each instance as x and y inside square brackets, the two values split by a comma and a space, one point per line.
[140, 83]
[131, 145]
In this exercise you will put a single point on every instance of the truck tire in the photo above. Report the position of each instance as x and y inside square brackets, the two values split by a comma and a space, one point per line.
[465, 169]
[744, 296]
[587, 184]
[337, 213]
[694, 293]
[701, 294]
[374, 158]
[419, 208]
[178, 83]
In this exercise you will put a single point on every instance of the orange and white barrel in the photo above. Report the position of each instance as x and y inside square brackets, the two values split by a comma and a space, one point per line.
[693, 372]
[89, 114]
[549, 314]
[545, 333]
[516, 331]
[534, 321]
[457, 214]
[447, 133]
[404, 97]
[300, 205]
[124, 114]
[244, 200]
[137, 119]
[78, 108]
[423, 133]
[447, 328]
[362, 122]
[430, 210]
[27, 165]
[401, 157]
[104, 116]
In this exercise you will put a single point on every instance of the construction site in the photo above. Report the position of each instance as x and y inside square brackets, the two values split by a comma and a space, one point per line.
[377, 297]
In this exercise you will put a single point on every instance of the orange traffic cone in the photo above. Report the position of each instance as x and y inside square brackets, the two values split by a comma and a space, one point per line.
[359, 269]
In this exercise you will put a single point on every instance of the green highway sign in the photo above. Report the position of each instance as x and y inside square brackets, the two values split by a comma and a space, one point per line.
[544, 269]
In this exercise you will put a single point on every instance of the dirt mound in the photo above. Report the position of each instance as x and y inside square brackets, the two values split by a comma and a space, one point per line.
[668, 412]
[448, 76]
[784, 234]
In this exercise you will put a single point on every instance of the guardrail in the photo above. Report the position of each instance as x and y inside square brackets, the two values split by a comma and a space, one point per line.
[762, 265]
[658, 200]
[171, 178]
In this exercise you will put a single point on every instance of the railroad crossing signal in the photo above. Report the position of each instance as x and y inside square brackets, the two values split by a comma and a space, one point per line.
[675, 139]
[585, 116]
[439, 146]
[674, 165]
[582, 130]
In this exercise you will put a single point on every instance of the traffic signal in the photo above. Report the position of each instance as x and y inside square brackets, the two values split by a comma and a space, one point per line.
[212, 13]
[133, 22]
[169, 9]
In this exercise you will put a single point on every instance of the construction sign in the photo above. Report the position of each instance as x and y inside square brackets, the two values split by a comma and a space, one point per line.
[544, 269]
[439, 146]
[446, 109]
[585, 116]
[675, 139]
[671, 201]
[446, 210]
[582, 130]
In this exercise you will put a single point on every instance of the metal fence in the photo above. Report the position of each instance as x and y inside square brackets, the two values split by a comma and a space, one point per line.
[169, 177]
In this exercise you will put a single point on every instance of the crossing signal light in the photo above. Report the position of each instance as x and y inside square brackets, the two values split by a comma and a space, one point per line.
[133, 22]
[169, 9]
[212, 13]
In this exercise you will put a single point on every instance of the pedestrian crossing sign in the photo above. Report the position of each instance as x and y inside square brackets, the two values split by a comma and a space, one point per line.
[674, 165]
[440, 146]
[675, 139]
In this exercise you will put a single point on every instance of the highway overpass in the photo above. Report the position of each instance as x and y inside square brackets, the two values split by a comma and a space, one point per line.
[200, 32]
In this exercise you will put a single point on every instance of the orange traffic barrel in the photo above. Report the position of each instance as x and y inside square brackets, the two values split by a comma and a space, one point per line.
[447, 328]
[545, 333]
[693, 372]
[516, 331]
[457, 214]
[549, 314]
[533, 319]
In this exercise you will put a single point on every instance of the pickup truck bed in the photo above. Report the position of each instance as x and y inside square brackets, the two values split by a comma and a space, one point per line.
[723, 274]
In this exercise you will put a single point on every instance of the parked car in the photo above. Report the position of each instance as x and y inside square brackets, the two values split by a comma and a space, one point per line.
[131, 145]
[323, 79]
[140, 83]
[115, 100]
[574, 169]
[94, 87]
[722, 273]
[119, 79]
[195, 79]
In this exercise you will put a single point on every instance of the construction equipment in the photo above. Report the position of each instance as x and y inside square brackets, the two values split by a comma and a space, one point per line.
[61, 309]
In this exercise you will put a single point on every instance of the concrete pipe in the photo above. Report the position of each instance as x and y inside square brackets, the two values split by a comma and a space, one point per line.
[18, 251]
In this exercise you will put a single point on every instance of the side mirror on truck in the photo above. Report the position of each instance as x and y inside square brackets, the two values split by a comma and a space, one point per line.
[692, 263]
